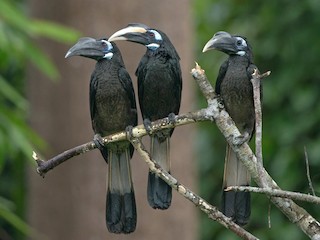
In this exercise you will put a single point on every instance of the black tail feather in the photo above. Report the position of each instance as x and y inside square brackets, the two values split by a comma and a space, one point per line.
[121, 214]
[237, 205]
[158, 191]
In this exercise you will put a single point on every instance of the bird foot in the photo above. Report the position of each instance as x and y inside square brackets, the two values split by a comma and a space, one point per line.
[129, 132]
[147, 125]
[241, 139]
[98, 141]
[172, 118]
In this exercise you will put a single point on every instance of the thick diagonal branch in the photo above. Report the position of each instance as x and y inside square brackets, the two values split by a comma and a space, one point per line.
[297, 215]
[207, 208]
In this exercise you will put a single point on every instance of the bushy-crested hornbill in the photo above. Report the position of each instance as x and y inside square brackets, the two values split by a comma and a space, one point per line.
[159, 84]
[234, 86]
[112, 109]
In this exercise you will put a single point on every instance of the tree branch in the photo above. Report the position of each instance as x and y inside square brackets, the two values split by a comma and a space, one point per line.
[212, 212]
[277, 193]
[214, 112]
[137, 132]
[256, 83]
[297, 215]
[308, 171]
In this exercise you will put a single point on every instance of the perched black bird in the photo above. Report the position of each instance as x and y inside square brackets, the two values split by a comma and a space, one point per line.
[234, 86]
[112, 109]
[160, 84]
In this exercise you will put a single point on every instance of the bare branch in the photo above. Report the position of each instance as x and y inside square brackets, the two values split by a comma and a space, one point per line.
[137, 132]
[256, 83]
[269, 215]
[277, 193]
[308, 171]
[214, 112]
[206, 88]
[45, 166]
[297, 215]
[207, 208]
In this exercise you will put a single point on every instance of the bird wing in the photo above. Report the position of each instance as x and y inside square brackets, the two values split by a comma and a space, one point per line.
[176, 72]
[92, 95]
[141, 73]
[126, 83]
[221, 74]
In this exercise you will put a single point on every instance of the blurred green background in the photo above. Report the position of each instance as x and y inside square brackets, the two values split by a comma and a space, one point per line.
[286, 40]
[18, 48]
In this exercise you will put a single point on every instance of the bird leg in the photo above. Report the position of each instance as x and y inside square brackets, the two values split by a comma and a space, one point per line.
[98, 141]
[239, 140]
[129, 132]
[172, 118]
[147, 125]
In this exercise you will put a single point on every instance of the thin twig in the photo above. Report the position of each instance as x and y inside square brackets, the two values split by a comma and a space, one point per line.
[277, 193]
[256, 83]
[204, 85]
[137, 132]
[269, 215]
[207, 208]
[308, 171]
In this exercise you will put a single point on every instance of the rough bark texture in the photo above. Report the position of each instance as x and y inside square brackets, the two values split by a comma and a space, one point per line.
[70, 202]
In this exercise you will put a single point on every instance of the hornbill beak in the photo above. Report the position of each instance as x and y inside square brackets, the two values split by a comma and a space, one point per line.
[223, 42]
[91, 48]
[133, 33]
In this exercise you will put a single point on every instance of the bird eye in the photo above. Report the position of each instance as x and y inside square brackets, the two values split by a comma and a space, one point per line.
[239, 42]
[154, 34]
[107, 45]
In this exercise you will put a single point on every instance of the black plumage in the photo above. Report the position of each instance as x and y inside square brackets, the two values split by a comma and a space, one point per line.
[159, 85]
[234, 86]
[112, 109]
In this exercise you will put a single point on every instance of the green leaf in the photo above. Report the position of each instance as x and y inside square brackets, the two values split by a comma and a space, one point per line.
[18, 134]
[54, 31]
[11, 94]
[3, 151]
[41, 61]
[7, 214]
[12, 16]
[32, 27]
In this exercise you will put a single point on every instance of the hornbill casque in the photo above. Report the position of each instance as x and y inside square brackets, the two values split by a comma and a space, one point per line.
[234, 87]
[159, 88]
[112, 109]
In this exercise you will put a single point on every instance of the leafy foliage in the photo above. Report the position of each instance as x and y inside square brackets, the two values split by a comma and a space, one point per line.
[17, 47]
[285, 40]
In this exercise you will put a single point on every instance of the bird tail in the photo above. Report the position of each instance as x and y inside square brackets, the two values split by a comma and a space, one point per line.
[121, 213]
[236, 205]
[159, 192]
